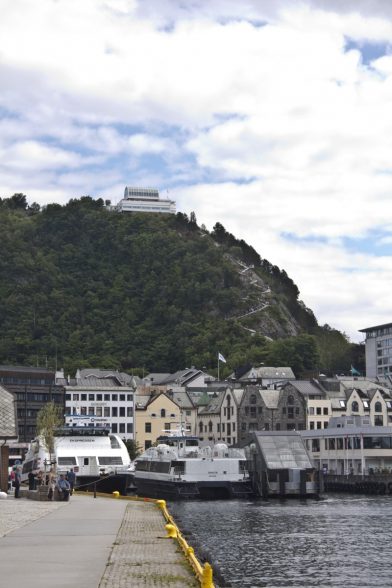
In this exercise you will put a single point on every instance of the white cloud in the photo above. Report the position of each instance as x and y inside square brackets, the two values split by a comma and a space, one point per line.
[259, 97]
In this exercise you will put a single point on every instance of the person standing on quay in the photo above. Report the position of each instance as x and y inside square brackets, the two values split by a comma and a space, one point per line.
[17, 481]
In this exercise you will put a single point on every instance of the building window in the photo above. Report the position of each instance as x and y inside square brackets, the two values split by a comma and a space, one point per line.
[114, 397]
[122, 411]
[99, 397]
[106, 411]
[98, 411]
[167, 427]
[129, 397]
[318, 410]
[378, 421]
[114, 427]
[83, 397]
[325, 411]
[91, 411]
[311, 425]
[354, 406]
[163, 413]
[67, 397]
[106, 397]
[122, 397]
[378, 407]
[210, 427]
[290, 412]
[252, 399]
[129, 427]
[114, 411]
[200, 427]
[243, 426]
[91, 397]
[147, 427]
[277, 427]
[147, 444]
[129, 411]
[83, 410]
[319, 425]
[122, 427]
[311, 410]
[290, 399]
[75, 397]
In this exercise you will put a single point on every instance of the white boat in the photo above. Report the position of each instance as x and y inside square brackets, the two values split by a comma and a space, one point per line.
[179, 468]
[95, 455]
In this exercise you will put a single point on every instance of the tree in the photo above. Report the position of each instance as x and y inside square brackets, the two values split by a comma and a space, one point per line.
[48, 420]
[133, 448]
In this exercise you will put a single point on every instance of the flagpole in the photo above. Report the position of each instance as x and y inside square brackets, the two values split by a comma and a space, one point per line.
[218, 366]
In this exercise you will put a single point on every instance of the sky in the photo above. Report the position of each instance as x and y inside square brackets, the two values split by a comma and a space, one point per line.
[272, 118]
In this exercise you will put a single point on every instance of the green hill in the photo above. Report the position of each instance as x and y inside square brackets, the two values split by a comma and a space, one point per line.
[83, 286]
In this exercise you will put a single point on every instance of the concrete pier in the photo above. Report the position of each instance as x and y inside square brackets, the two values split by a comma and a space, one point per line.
[94, 543]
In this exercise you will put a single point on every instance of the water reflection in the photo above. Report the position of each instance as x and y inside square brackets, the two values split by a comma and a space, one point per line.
[339, 541]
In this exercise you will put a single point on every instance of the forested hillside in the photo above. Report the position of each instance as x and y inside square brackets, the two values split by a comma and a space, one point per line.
[82, 286]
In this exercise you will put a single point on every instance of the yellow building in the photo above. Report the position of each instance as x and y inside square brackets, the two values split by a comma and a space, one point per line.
[153, 415]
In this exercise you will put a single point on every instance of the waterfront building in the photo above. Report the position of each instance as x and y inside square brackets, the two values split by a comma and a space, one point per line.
[350, 444]
[33, 387]
[154, 414]
[271, 410]
[218, 417]
[318, 404]
[8, 433]
[145, 200]
[378, 351]
[97, 398]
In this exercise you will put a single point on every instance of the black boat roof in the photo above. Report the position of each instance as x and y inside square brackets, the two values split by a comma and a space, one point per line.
[82, 432]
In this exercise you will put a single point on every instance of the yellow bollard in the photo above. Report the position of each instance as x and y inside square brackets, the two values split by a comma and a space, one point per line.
[171, 531]
[116, 494]
[206, 581]
[161, 504]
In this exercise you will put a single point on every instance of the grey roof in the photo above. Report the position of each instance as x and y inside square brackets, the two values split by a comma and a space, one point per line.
[183, 377]
[156, 378]
[270, 397]
[182, 399]
[271, 373]
[96, 378]
[238, 394]
[19, 368]
[307, 388]
[8, 421]
[214, 406]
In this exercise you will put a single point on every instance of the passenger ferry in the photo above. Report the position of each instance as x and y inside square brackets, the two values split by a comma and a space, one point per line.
[179, 468]
[95, 455]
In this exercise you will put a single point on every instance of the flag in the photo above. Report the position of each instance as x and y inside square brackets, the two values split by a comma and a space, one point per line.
[221, 358]
[354, 372]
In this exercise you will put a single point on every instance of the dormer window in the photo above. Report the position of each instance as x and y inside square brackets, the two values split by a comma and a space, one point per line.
[366, 404]
[354, 406]
[377, 407]
[342, 404]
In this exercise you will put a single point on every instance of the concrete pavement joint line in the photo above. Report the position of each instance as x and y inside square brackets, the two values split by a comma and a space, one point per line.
[151, 562]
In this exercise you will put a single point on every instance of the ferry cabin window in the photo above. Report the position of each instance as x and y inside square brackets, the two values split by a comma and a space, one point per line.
[111, 460]
[66, 461]
[114, 444]
[192, 443]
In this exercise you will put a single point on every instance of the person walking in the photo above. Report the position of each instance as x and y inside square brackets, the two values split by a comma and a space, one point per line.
[71, 477]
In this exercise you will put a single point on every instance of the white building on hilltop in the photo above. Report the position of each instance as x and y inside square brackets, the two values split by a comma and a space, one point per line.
[145, 200]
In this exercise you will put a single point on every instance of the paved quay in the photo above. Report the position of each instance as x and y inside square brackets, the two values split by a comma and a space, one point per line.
[94, 543]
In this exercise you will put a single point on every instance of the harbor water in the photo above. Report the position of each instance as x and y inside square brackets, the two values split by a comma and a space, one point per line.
[338, 541]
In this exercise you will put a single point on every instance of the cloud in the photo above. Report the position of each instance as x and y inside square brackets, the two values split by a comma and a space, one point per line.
[270, 117]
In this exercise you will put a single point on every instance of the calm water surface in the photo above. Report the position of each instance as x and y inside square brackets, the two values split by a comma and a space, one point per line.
[339, 541]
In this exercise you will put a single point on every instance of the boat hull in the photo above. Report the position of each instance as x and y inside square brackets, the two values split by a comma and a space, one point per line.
[119, 482]
[181, 490]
